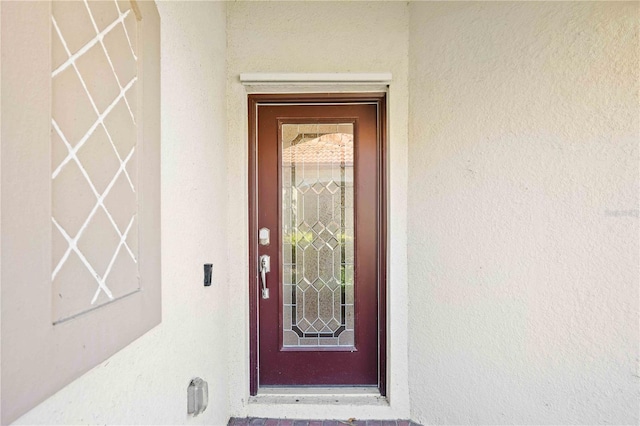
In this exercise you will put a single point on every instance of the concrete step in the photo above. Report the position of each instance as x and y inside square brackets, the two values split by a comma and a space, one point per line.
[257, 421]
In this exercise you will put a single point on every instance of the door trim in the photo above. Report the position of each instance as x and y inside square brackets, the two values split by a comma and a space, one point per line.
[380, 99]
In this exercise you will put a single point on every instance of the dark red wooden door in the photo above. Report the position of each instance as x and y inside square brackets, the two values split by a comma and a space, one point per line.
[319, 196]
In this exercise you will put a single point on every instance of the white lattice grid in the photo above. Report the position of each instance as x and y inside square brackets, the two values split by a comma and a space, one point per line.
[73, 148]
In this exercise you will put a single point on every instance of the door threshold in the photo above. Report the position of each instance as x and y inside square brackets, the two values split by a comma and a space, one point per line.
[353, 396]
[319, 390]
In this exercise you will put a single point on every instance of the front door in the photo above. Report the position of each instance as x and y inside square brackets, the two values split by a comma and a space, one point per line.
[317, 253]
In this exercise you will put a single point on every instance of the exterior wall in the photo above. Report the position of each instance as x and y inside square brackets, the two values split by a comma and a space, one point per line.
[49, 274]
[146, 383]
[523, 213]
[317, 37]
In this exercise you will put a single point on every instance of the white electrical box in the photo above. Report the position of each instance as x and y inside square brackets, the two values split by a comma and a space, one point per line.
[197, 396]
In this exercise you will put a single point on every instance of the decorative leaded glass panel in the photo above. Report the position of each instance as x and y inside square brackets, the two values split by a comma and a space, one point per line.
[318, 234]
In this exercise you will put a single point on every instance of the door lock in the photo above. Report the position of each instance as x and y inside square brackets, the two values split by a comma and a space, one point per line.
[265, 266]
[263, 236]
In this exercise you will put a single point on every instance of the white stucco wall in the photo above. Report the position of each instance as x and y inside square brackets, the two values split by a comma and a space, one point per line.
[521, 229]
[310, 37]
[146, 383]
[523, 213]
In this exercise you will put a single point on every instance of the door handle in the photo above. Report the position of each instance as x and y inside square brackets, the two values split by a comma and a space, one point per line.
[265, 266]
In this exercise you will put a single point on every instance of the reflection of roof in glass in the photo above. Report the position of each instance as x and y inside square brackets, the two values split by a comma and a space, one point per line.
[331, 148]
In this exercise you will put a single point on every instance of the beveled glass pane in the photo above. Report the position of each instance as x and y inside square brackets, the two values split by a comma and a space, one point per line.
[318, 236]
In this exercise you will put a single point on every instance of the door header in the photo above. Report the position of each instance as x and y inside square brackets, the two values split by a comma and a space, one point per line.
[315, 78]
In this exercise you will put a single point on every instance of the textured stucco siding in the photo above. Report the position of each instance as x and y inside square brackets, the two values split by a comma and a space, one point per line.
[523, 213]
[146, 383]
[513, 226]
